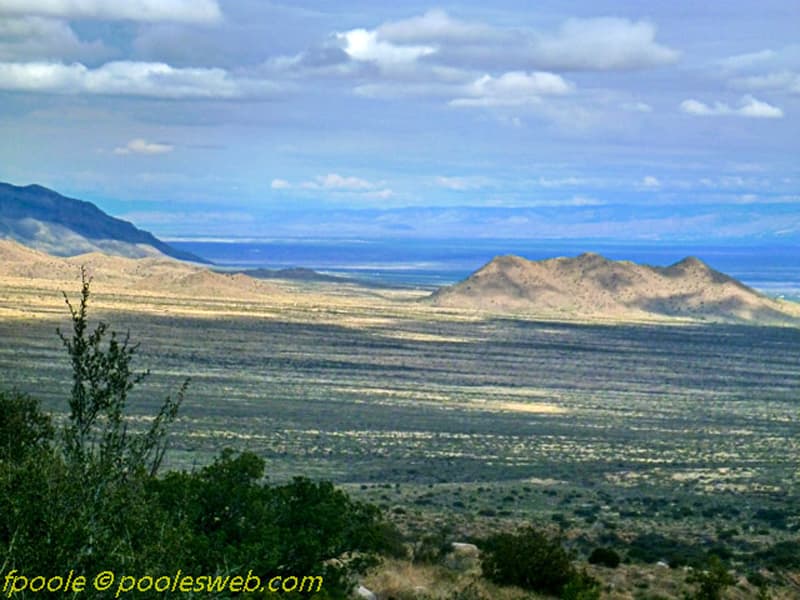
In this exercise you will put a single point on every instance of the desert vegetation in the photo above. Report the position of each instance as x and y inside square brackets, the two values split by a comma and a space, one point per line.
[662, 445]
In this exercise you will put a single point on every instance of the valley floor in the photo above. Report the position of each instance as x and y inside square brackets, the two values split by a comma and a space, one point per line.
[667, 441]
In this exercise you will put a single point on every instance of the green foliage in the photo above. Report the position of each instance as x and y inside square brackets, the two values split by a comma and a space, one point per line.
[607, 557]
[432, 547]
[23, 427]
[581, 586]
[781, 555]
[712, 581]
[653, 547]
[529, 559]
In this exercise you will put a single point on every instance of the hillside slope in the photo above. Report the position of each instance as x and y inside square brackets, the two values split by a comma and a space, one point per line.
[591, 285]
[158, 275]
[45, 220]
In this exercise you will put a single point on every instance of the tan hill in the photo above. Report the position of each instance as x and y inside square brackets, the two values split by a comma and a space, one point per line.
[591, 285]
[156, 274]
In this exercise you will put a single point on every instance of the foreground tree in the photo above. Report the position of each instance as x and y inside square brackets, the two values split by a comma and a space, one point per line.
[102, 379]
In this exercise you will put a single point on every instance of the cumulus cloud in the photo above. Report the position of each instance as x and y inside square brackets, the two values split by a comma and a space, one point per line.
[512, 89]
[596, 44]
[438, 49]
[651, 182]
[383, 194]
[641, 107]
[280, 184]
[141, 146]
[576, 201]
[459, 183]
[748, 107]
[334, 181]
[785, 81]
[363, 45]
[435, 26]
[31, 38]
[749, 59]
[603, 44]
[189, 11]
[128, 78]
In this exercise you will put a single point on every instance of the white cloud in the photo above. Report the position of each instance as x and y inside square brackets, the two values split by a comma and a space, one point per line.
[280, 184]
[434, 26]
[602, 44]
[579, 44]
[190, 11]
[363, 45]
[786, 81]
[651, 182]
[126, 78]
[512, 89]
[383, 194]
[576, 201]
[334, 181]
[743, 61]
[141, 146]
[458, 183]
[641, 107]
[560, 182]
[748, 107]
[32, 38]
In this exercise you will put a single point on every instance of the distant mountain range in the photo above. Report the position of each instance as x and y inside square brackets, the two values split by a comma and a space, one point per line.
[45, 220]
[591, 285]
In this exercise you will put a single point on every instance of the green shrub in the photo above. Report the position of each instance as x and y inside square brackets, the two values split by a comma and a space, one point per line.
[581, 586]
[711, 581]
[431, 548]
[529, 559]
[606, 557]
[23, 427]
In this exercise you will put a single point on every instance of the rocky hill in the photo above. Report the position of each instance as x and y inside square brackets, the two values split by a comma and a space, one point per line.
[45, 220]
[591, 285]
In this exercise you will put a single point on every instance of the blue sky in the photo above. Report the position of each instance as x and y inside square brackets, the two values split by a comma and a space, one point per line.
[568, 119]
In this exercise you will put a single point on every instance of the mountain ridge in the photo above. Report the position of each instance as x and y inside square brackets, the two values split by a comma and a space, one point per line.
[43, 219]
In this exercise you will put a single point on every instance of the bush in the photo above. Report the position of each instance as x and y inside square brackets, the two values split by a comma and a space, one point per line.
[432, 548]
[606, 557]
[23, 427]
[581, 586]
[529, 559]
[712, 581]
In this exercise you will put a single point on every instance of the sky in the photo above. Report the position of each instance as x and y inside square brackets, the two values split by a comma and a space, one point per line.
[549, 119]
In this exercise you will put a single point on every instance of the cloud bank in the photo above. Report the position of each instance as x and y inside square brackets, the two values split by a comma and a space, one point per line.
[188, 11]
[748, 107]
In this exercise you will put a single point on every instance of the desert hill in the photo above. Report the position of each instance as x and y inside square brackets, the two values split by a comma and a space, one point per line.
[294, 274]
[151, 274]
[591, 285]
[45, 220]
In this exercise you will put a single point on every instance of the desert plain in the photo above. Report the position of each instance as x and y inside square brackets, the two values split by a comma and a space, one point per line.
[666, 438]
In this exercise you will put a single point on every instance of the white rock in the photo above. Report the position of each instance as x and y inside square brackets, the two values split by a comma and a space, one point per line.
[362, 592]
[465, 549]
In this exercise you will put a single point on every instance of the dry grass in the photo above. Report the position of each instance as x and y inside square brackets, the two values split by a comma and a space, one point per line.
[403, 580]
